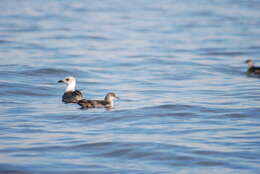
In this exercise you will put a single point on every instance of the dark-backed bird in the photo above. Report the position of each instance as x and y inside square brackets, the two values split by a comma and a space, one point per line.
[252, 69]
[108, 102]
[70, 95]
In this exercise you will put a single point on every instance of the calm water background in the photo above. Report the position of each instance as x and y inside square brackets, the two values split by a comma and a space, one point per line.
[186, 104]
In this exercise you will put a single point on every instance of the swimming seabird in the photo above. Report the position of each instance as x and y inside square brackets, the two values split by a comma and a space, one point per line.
[252, 68]
[71, 95]
[108, 102]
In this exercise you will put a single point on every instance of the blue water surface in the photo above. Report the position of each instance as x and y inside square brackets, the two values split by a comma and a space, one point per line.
[186, 104]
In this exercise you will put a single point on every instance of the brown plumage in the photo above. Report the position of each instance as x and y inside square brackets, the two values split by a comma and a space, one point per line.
[108, 102]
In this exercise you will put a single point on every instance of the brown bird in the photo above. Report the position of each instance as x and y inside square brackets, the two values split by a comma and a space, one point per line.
[108, 102]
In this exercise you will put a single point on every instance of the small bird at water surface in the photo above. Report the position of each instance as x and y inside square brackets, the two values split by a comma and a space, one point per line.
[70, 95]
[108, 102]
[252, 69]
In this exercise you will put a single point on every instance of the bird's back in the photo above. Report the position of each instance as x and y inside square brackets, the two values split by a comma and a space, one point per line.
[93, 103]
[72, 97]
[254, 69]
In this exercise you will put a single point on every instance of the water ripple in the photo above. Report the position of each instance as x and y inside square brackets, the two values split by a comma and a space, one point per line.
[186, 103]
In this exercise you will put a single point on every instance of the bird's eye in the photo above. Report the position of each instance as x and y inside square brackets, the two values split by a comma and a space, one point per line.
[67, 79]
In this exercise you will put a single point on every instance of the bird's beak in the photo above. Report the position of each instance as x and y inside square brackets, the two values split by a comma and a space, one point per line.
[60, 81]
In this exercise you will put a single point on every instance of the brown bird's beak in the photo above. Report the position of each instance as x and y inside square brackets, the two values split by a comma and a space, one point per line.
[60, 81]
